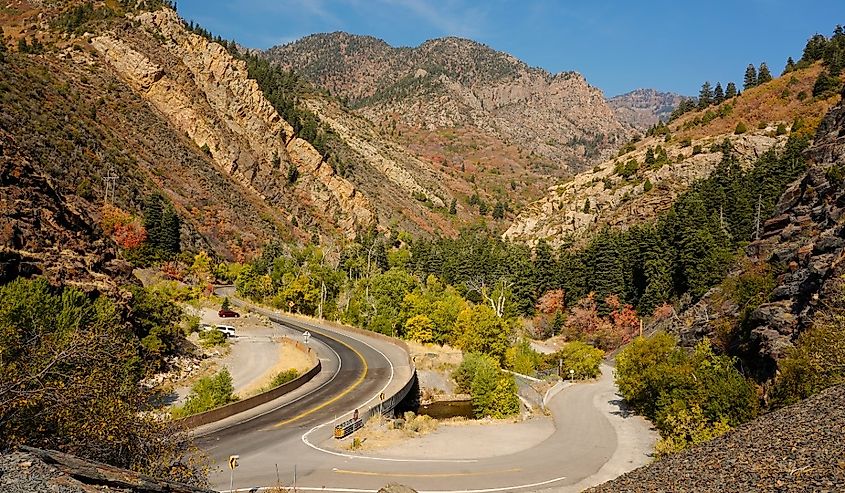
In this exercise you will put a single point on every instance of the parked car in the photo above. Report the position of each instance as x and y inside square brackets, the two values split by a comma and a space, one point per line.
[227, 330]
[228, 314]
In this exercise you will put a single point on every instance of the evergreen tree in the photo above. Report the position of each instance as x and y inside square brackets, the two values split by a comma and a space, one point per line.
[171, 243]
[153, 213]
[546, 267]
[482, 207]
[718, 94]
[453, 207]
[649, 156]
[499, 210]
[705, 96]
[763, 74]
[586, 206]
[814, 49]
[750, 77]
[790, 66]
[730, 91]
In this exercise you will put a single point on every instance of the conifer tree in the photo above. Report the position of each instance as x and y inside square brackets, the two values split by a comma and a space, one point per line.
[499, 210]
[750, 77]
[730, 91]
[170, 232]
[453, 207]
[763, 74]
[153, 213]
[546, 267]
[790, 66]
[718, 94]
[705, 96]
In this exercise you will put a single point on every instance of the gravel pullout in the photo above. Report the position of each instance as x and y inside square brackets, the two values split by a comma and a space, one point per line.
[796, 449]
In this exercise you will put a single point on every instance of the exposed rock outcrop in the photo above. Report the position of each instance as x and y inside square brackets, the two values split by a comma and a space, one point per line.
[618, 202]
[803, 244]
[43, 233]
[642, 108]
[452, 82]
[31, 469]
[227, 114]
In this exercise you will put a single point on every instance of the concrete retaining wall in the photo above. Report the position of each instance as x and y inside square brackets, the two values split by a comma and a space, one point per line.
[240, 406]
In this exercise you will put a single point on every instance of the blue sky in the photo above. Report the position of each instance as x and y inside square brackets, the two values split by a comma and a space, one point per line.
[618, 45]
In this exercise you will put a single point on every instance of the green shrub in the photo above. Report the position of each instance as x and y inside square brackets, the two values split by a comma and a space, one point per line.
[493, 391]
[741, 128]
[211, 338]
[690, 396]
[209, 393]
[818, 359]
[522, 359]
[283, 378]
[584, 360]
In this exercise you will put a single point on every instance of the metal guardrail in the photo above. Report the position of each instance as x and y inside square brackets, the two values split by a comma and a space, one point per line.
[347, 428]
[385, 406]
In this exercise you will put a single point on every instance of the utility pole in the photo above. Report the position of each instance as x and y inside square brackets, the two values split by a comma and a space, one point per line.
[111, 185]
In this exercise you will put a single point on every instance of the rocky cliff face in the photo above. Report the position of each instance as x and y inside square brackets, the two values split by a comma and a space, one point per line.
[207, 94]
[642, 108]
[803, 245]
[455, 83]
[619, 202]
[43, 233]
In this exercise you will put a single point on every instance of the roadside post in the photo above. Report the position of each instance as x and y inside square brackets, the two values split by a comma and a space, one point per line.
[233, 463]
[571, 374]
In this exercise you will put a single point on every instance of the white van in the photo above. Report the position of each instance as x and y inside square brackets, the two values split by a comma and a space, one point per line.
[227, 330]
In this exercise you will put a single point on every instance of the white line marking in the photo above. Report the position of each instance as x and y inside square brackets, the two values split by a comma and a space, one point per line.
[336, 373]
[355, 490]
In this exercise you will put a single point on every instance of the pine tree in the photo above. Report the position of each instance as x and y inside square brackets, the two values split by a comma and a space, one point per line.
[649, 156]
[718, 94]
[499, 210]
[705, 96]
[763, 74]
[153, 213]
[546, 267]
[730, 91]
[750, 77]
[171, 243]
[453, 207]
[586, 206]
[790, 66]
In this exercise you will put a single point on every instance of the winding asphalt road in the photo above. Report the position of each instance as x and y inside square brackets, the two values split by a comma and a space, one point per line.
[283, 445]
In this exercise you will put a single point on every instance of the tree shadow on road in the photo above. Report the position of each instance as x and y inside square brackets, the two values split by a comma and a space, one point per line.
[621, 408]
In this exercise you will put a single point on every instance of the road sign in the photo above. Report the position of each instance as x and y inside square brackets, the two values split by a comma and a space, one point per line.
[305, 336]
[233, 461]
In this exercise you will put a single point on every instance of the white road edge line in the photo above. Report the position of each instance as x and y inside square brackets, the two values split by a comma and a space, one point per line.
[276, 408]
[355, 490]
[351, 456]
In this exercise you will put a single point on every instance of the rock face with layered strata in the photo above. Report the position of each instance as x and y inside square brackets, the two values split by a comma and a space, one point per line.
[207, 94]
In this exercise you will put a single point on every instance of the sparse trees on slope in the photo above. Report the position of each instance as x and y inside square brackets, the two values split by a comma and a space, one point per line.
[718, 94]
[750, 79]
[763, 74]
[730, 90]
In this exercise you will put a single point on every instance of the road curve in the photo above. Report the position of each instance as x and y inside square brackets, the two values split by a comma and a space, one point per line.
[585, 445]
[358, 371]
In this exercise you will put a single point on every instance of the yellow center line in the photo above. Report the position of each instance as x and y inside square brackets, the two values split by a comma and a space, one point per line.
[424, 475]
[335, 398]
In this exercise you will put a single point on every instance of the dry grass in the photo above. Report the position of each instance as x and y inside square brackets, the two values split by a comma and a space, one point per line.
[290, 358]
[380, 432]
